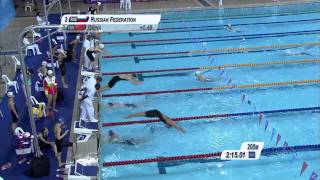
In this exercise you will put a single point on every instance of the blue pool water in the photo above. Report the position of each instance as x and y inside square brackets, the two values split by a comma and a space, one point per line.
[215, 135]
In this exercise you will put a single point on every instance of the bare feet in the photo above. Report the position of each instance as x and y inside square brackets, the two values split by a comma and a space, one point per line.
[55, 110]
[65, 86]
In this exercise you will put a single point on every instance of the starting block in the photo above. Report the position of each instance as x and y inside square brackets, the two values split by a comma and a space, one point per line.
[85, 129]
[84, 169]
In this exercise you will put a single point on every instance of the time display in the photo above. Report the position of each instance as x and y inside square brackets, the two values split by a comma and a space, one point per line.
[235, 155]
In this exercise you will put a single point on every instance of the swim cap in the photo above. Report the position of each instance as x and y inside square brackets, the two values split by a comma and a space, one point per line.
[111, 133]
[229, 25]
[78, 37]
[50, 72]
[10, 94]
[44, 63]
[197, 73]
[101, 46]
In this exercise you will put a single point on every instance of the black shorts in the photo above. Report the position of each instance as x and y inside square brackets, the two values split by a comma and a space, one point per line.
[44, 146]
[114, 80]
[62, 67]
[153, 113]
[156, 113]
[60, 144]
[14, 118]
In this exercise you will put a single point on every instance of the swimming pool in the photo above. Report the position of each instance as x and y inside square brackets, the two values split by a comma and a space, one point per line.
[173, 47]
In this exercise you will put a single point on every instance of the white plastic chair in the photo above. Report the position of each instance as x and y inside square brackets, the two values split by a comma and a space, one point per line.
[35, 102]
[38, 86]
[28, 5]
[35, 34]
[28, 48]
[10, 83]
[16, 63]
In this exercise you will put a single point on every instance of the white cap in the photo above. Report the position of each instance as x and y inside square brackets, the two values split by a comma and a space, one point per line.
[101, 46]
[44, 63]
[78, 37]
[229, 24]
[197, 73]
[50, 72]
[99, 3]
[10, 94]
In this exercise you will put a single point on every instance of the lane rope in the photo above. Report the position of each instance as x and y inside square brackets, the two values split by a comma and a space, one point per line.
[229, 50]
[219, 67]
[214, 37]
[264, 152]
[108, 124]
[218, 88]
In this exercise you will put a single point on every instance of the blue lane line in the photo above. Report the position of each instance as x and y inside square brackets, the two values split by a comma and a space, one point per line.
[220, 27]
[213, 54]
[243, 17]
[233, 38]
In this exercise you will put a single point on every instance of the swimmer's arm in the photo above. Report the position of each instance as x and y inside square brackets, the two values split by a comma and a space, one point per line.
[105, 52]
[139, 114]
[133, 81]
[14, 109]
[178, 128]
[43, 140]
[59, 137]
[102, 88]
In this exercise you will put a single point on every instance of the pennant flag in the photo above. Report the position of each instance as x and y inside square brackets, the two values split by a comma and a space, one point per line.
[222, 71]
[313, 176]
[273, 132]
[266, 125]
[285, 144]
[229, 81]
[243, 97]
[260, 118]
[278, 139]
[303, 167]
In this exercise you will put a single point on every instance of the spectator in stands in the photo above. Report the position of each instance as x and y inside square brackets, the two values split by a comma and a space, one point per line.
[61, 56]
[13, 111]
[51, 90]
[92, 10]
[35, 47]
[43, 70]
[86, 96]
[59, 135]
[71, 52]
[127, 5]
[39, 19]
[45, 144]
[87, 43]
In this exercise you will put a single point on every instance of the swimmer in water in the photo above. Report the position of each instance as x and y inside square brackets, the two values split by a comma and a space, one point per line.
[114, 138]
[122, 77]
[231, 29]
[202, 78]
[119, 105]
[163, 118]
